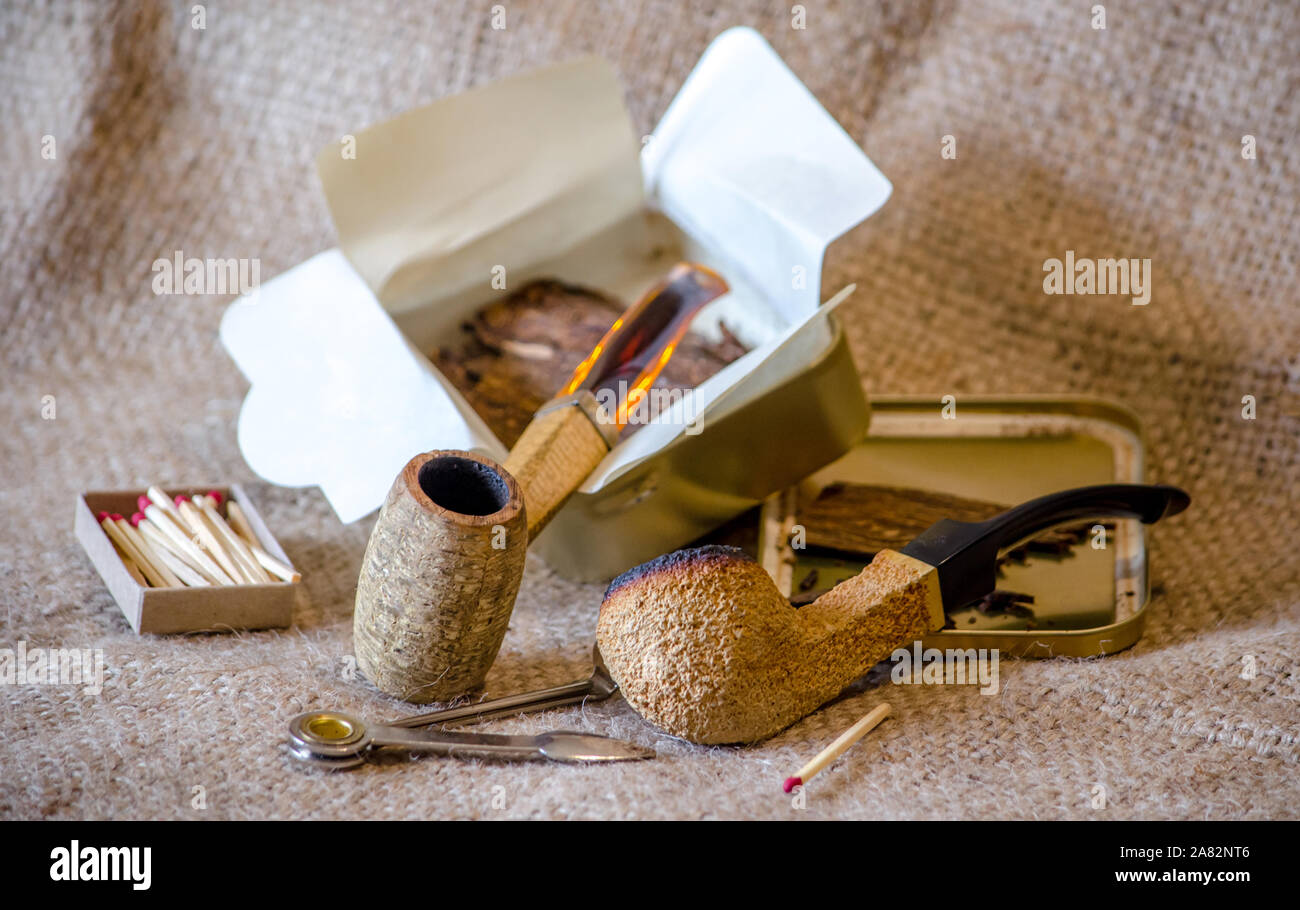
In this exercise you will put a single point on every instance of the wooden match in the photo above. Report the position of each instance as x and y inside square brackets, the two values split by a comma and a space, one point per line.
[163, 553]
[131, 568]
[233, 543]
[143, 547]
[109, 524]
[239, 521]
[160, 540]
[164, 503]
[178, 533]
[208, 538]
[239, 524]
[838, 748]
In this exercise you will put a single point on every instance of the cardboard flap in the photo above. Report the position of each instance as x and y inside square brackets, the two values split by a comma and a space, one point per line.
[337, 397]
[509, 174]
[527, 174]
[745, 143]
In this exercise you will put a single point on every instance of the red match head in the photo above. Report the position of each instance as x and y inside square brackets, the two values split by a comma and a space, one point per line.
[791, 783]
[216, 497]
[142, 503]
[117, 516]
[100, 516]
[136, 519]
[180, 499]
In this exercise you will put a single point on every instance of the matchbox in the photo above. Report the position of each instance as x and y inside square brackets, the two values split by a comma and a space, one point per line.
[171, 610]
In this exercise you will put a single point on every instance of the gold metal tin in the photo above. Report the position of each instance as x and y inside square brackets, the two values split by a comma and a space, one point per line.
[1089, 603]
[697, 482]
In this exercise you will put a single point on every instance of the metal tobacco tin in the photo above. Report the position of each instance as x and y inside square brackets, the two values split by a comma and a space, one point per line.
[1088, 603]
[697, 482]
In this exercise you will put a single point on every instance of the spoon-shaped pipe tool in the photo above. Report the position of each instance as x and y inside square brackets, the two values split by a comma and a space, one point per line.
[339, 741]
[703, 645]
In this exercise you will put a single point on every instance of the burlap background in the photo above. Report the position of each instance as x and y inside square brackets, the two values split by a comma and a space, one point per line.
[1122, 142]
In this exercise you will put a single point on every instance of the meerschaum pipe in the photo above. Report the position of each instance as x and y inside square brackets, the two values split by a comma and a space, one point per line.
[703, 645]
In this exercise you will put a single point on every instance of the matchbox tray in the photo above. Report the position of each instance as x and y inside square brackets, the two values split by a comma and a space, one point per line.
[163, 611]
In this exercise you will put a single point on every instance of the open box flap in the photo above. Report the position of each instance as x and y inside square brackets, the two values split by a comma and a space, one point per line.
[745, 143]
[499, 177]
[337, 397]
[515, 175]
